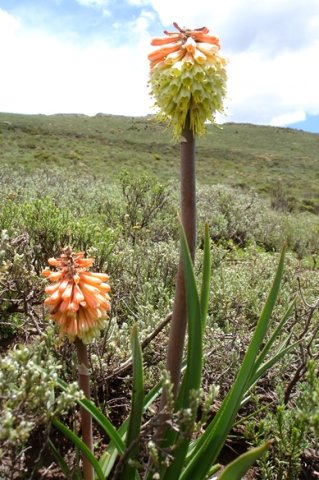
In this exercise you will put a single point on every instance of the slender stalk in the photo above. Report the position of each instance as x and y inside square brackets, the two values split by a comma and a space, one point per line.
[86, 419]
[188, 218]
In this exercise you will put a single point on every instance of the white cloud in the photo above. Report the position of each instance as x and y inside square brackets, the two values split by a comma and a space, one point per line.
[98, 4]
[288, 118]
[93, 3]
[272, 49]
[43, 74]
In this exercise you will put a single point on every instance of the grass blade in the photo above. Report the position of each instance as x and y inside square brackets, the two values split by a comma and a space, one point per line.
[135, 419]
[81, 445]
[237, 469]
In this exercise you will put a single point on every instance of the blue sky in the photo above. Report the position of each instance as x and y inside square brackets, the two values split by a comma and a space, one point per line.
[90, 56]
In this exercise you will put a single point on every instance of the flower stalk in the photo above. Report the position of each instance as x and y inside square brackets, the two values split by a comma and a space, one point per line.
[86, 418]
[188, 220]
[188, 82]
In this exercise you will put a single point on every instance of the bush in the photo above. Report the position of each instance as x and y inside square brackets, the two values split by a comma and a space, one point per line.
[28, 403]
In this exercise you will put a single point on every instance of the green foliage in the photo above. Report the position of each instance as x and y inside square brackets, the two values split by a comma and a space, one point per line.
[28, 401]
[41, 211]
[294, 429]
[242, 155]
[180, 451]
[21, 289]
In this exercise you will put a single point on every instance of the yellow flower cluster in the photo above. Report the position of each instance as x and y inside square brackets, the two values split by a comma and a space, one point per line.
[78, 300]
[187, 76]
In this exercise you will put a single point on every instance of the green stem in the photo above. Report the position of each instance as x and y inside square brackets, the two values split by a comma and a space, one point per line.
[188, 219]
[86, 419]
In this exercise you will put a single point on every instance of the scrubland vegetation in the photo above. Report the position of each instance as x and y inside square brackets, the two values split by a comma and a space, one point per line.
[108, 186]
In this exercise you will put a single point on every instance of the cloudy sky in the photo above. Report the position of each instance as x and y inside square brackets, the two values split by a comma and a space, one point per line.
[90, 56]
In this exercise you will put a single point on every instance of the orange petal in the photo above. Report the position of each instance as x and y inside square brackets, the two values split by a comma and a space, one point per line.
[165, 40]
[46, 273]
[67, 294]
[103, 276]
[89, 279]
[73, 307]
[64, 305]
[77, 294]
[85, 262]
[54, 262]
[54, 276]
[161, 53]
[104, 287]
[203, 37]
[52, 288]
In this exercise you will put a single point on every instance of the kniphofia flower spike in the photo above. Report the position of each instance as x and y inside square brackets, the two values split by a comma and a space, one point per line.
[78, 300]
[187, 75]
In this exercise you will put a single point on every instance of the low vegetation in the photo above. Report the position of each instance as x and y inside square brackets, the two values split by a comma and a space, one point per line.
[107, 185]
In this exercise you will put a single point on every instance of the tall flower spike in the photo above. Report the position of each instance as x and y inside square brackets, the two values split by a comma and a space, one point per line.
[78, 300]
[187, 75]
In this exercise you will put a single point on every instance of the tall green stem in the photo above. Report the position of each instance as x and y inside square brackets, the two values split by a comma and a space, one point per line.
[188, 218]
[86, 419]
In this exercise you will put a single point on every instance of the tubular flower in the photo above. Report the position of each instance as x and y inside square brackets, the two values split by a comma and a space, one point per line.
[78, 300]
[187, 76]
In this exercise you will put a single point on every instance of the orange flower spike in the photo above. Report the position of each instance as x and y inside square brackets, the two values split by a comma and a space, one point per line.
[189, 79]
[73, 307]
[78, 301]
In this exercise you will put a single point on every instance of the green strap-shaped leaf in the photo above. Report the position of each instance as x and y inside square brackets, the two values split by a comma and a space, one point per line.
[275, 335]
[81, 445]
[59, 459]
[205, 289]
[237, 469]
[267, 365]
[101, 419]
[195, 337]
[135, 418]
[211, 442]
[192, 379]
[149, 399]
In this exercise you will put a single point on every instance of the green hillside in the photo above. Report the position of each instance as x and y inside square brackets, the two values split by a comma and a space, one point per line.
[275, 161]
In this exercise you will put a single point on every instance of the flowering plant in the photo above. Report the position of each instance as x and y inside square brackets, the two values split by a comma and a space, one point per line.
[182, 452]
[188, 81]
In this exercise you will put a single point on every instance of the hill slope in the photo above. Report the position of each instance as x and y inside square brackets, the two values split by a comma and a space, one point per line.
[276, 161]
